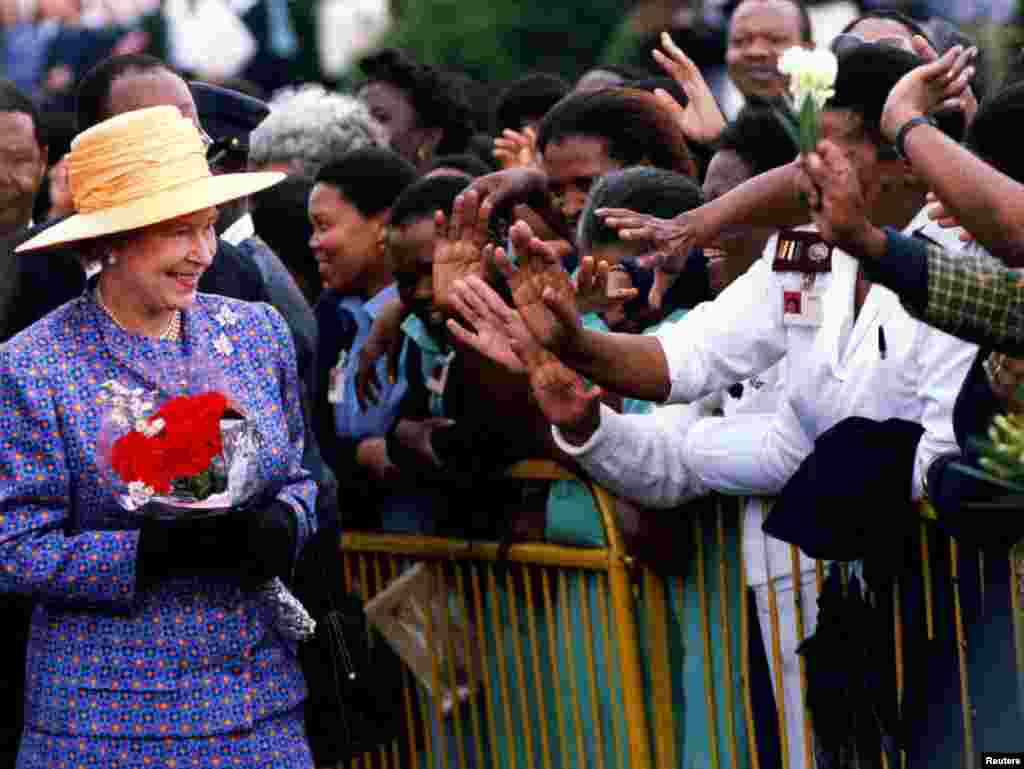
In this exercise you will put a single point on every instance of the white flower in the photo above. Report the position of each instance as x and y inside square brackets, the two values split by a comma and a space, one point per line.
[140, 493]
[223, 345]
[226, 316]
[150, 429]
[812, 73]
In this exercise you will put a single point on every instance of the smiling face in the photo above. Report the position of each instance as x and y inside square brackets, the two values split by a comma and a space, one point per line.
[760, 30]
[157, 269]
[572, 166]
[344, 242]
[22, 165]
[411, 249]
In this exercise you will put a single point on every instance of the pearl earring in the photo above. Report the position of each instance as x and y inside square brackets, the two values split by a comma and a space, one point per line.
[111, 260]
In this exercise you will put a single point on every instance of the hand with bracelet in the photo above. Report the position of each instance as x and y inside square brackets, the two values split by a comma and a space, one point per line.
[938, 85]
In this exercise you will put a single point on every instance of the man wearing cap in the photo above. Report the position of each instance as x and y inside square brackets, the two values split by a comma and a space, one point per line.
[229, 116]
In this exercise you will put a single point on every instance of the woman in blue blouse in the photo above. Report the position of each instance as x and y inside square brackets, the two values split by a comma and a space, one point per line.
[148, 645]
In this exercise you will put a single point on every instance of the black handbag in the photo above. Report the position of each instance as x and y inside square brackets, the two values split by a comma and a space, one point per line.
[353, 676]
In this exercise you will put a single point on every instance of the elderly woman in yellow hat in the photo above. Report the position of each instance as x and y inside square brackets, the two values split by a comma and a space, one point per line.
[149, 645]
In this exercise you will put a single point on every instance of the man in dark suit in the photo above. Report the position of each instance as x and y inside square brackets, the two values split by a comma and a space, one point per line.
[22, 169]
[44, 281]
[23, 161]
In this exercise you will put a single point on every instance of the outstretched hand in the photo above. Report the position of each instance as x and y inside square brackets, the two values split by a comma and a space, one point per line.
[541, 288]
[701, 119]
[459, 245]
[968, 100]
[937, 85]
[671, 242]
[516, 149]
[498, 331]
[596, 290]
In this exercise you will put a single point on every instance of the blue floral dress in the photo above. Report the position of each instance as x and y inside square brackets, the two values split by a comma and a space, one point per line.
[190, 672]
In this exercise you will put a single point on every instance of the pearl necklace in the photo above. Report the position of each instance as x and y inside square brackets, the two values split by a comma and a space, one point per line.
[170, 334]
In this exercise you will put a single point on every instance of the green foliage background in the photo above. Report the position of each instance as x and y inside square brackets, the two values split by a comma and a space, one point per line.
[499, 40]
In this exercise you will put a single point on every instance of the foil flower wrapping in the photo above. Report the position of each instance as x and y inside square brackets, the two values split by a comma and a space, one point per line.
[232, 480]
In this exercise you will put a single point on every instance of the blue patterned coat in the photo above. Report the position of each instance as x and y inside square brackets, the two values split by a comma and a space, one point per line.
[191, 656]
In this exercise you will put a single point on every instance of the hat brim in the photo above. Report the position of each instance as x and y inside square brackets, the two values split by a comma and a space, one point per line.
[153, 209]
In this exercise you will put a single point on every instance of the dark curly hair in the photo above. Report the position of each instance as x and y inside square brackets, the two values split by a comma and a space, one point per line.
[758, 137]
[992, 135]
[528, 99]
[436, 96]
[638, 129]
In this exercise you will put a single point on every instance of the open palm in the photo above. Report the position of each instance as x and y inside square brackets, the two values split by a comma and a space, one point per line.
[701, 119]
[496, 330]
[541, 289]
[459, 245]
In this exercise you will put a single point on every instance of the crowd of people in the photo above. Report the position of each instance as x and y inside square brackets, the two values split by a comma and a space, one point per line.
[407, 289]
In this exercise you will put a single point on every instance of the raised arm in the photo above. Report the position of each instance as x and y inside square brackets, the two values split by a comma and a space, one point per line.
[969, 294]
[627, 364]
[986, 202]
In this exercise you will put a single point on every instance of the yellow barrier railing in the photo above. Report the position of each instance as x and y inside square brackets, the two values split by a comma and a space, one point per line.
[585, 653]
[500, 724]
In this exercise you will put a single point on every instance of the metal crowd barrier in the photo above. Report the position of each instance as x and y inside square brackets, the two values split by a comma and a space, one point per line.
[583, 653]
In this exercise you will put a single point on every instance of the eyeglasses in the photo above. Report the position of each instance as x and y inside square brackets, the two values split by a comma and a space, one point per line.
[205, 138]
[847, 41]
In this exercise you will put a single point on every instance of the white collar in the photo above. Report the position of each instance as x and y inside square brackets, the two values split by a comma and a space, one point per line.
[242, 229]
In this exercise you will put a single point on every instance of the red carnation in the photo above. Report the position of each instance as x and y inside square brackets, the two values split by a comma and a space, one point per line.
[186, 446]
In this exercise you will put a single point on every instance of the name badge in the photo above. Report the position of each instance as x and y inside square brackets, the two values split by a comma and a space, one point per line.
[799, 251]
[801, 308]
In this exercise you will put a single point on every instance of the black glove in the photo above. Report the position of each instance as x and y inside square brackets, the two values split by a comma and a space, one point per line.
[268, 542]
[250, 543]
[169, 548]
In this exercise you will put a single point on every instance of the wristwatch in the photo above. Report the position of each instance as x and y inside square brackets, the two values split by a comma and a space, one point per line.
[906, 128]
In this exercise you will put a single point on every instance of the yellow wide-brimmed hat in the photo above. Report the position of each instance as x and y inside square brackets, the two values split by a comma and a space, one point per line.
[140, 168]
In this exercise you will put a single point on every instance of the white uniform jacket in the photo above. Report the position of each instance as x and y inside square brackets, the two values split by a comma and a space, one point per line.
[881, 364]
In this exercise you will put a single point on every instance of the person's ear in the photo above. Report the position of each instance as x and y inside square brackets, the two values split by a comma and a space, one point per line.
[429, 144]
[382, 242]
[379, 223]
[44, 165]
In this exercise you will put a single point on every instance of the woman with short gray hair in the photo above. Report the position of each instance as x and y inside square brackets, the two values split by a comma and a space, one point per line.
[308, 128]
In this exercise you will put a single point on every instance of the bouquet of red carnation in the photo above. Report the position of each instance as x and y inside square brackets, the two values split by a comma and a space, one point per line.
[194, 455]
[177, 449]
